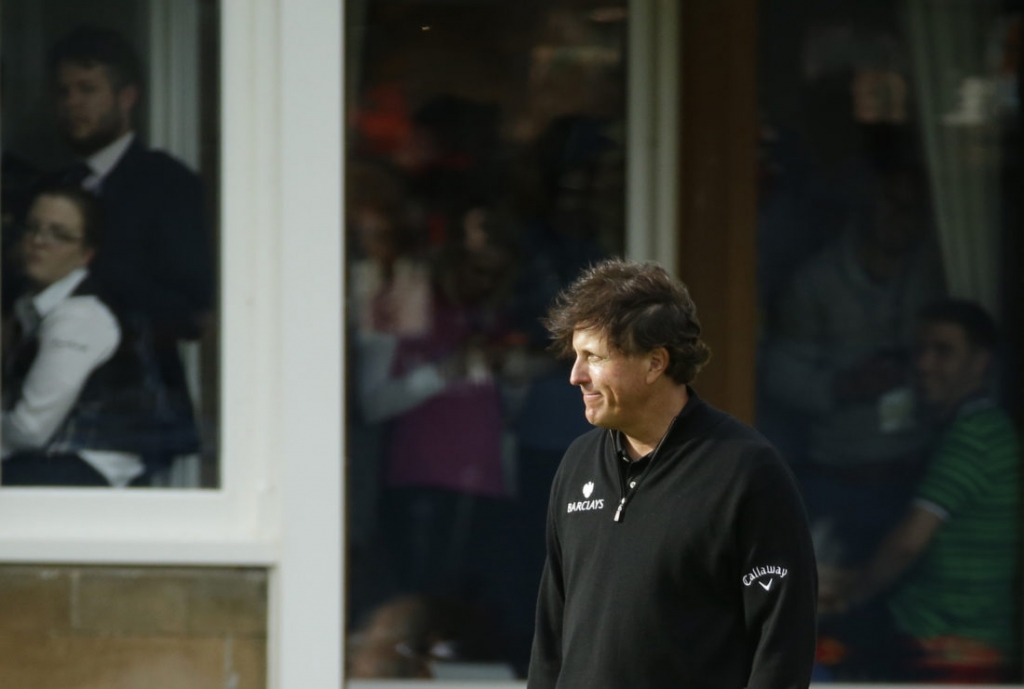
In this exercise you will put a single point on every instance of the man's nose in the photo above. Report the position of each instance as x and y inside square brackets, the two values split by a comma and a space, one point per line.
[578, 374]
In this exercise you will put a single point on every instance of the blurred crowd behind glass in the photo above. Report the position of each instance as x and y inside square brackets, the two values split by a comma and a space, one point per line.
[888, 273]
[486, 154]
[485, 170]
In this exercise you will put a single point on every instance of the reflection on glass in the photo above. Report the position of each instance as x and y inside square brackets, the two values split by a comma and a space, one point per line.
[108, 280]
[886, 188]
[486, 169]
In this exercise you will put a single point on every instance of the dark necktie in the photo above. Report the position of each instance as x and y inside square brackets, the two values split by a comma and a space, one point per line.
[27, 317]
[19, 341]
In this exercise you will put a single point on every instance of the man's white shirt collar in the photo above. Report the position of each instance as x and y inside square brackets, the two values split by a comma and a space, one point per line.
[47, 300]
[104, 160]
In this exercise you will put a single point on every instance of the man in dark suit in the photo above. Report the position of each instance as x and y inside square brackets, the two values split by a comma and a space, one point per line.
[156, 261]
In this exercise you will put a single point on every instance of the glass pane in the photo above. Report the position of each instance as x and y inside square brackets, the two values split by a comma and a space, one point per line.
[109, 279]
[888, 277]
[486, 168]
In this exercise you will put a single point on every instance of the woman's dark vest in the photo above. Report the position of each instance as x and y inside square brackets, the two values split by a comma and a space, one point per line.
[125, 406]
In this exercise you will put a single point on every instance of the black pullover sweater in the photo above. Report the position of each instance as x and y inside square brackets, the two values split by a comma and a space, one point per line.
[707, 579]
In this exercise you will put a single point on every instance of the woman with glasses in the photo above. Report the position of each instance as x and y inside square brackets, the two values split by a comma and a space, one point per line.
[61, 364]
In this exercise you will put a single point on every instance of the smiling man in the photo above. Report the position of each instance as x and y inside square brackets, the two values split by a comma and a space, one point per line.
[678, 553]
[949, 566]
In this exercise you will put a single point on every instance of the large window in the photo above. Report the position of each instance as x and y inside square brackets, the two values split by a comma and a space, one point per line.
[486, 167]
[888, 245]
[110, 165]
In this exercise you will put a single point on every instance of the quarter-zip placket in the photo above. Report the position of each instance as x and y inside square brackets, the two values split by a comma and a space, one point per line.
[627, 484]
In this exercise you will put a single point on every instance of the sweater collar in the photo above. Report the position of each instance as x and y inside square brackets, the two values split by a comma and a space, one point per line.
[684, 419]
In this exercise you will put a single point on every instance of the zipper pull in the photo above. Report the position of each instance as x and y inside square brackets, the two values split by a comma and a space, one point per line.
[618, 510]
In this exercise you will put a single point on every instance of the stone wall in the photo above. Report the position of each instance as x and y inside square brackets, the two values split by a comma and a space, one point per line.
[71, 627]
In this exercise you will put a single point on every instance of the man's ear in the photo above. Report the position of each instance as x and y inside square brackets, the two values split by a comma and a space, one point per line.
[657, 363]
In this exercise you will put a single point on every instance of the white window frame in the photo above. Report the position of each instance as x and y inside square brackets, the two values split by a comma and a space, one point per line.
[280, 503]
[238, 520]
[652, 121]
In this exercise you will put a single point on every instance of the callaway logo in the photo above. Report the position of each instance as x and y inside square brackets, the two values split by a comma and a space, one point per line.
[770, 572]
[585, 505]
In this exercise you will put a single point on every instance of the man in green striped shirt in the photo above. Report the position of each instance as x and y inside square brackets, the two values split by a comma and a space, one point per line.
[948, 567]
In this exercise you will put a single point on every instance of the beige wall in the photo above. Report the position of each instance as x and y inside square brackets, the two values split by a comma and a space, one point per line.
[121, 628]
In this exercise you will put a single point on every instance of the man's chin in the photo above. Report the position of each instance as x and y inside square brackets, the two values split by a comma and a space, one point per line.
[85, 145]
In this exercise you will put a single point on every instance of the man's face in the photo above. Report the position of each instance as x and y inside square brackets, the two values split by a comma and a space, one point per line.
[53, 241]
[614, 385]
[949, 368]
[900, 213]
[376, 234]
[91, 113]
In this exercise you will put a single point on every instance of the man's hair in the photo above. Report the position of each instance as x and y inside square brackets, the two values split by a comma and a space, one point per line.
[977, 324]
[89, 46]
[638, 307]
[88, 206]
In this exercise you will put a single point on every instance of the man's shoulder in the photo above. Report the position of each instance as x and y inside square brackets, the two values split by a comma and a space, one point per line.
[144, 164]
[726, 428]
[978, 454]
[981, 421]
[739, 449]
